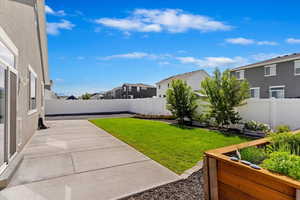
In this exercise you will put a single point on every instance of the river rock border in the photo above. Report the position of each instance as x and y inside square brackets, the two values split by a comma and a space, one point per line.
[188, 187]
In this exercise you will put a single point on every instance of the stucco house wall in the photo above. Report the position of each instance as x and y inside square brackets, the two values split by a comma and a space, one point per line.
[28, 33]
[193, 79]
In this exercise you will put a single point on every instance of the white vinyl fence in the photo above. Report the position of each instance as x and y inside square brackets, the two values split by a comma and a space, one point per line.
[271, 111]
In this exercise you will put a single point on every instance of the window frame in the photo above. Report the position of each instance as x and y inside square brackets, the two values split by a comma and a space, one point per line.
[279, 86]
[241, 74]
[272, 66]
[255, 88]
[296, 67]
[32, 72]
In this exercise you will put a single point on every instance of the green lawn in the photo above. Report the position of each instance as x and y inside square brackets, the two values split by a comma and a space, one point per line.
[176, 148]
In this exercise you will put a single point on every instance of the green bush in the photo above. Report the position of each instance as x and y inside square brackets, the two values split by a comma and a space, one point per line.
[283, 163]
[224, 92]
[253, 154]
[285, 142]
[282, 129]
[204, 119]
[257, 126]
[181, 101]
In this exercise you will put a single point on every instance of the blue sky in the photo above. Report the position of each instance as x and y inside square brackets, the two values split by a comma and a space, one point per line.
[97, 45]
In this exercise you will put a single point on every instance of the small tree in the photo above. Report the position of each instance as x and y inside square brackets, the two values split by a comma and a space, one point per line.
[86, 96]
[181, 101]
[224, 93]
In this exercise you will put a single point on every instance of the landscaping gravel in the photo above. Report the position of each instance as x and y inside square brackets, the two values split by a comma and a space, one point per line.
[186, 189]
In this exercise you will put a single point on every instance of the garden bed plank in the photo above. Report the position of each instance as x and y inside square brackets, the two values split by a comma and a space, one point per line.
[252, 175]
[227, 193]
[259, 192]
[213, 179]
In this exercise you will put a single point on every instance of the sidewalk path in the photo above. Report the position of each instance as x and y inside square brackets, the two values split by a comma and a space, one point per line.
[75, 160]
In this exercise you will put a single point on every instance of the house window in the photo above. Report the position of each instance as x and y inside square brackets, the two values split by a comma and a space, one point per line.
[240, 75]
[129, 88]
[159, 96]
[270, 70]
[138, 89]
[297, 67]
[6, 55]
[168, 85]
[254, 92]
[277, 92]
[32, 89]
[158, 86]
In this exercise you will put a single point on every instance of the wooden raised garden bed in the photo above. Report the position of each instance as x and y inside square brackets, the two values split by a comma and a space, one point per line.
[229, 180]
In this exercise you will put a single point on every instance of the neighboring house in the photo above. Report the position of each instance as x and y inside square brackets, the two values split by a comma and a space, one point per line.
[97, 96]
[193, 79]
[113, 94]
[277, 77]
[23, 75]
[138, 90]
[72, 97]
[49, 94]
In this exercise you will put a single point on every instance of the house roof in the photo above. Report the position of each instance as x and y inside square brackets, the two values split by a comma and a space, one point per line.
[139, 85]
[275, 60]
[181, 75]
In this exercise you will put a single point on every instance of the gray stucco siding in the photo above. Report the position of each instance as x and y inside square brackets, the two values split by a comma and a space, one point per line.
[284, 77]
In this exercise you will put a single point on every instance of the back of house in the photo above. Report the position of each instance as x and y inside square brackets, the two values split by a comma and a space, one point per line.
[23, 74]
[193, 79]
[274, 78]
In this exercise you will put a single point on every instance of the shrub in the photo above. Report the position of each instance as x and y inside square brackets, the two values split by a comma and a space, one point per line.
[204, 119]
[286, 142]
[257, 126]
[253, 154]
[224, 93]
[181, 101]
[282, 129]
[283, 163]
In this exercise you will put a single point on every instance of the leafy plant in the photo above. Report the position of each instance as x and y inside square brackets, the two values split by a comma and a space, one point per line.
[204, 119]
[257, 126]
[86, 96]
[282, 129]
[181, 101]
[285, 142]
[224, 93]
[253, 154]
[283, 163]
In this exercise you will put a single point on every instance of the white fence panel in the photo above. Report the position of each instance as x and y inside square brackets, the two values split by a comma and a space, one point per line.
[270, 111]
[149, 106]
[60, 107]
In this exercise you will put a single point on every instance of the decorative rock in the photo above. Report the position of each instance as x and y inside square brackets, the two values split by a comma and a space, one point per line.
[246, 162]
[255, 166]
[234, 159]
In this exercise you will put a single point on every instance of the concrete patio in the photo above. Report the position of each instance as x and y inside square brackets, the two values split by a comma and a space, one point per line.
[74, 159]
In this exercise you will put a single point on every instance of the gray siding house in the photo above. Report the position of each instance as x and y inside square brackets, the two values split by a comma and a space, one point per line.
[136, 91]
[278, 77]
[23, 75]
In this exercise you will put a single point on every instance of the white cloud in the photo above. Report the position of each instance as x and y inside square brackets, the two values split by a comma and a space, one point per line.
[50, 11]
[293, 41]
[164, 63]
[247, 41]
[53, 28]
[240, 40]
[170, 20]
[136, 55]
[270, 43]
[80, 57]
[213, 61]
[264, 56]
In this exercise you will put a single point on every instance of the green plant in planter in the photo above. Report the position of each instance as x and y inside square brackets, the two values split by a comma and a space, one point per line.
[257, 126]
[285, 142]
[282, 129]
[253, 154]
[283, 163]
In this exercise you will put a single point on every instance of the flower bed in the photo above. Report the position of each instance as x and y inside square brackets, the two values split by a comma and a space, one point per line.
[261, 170]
